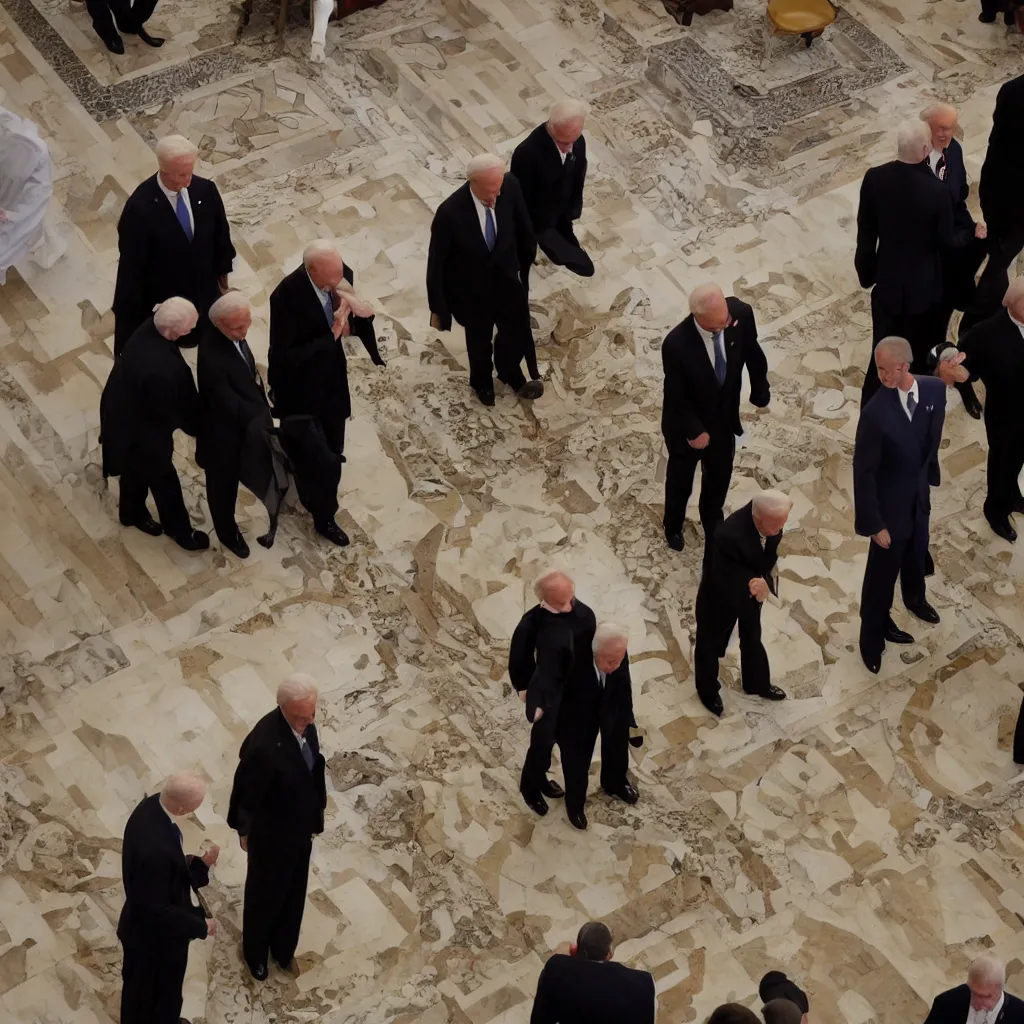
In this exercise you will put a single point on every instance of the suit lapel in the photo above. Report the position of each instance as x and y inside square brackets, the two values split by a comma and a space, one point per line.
[700, 353]
[472, 220]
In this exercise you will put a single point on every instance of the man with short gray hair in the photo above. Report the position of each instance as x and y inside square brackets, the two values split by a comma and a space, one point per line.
[481, 250]
[983, 1000]
[551, 166]
[173, 238]
[904, 225]
[276, 807]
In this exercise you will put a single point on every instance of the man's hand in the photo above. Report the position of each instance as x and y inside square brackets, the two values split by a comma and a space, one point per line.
[700, 441]
[538, 714]
[950, 371]
[980, 230]
[758, 589]
[339, 327]
[222, 283]
[522, 695]
[211, 927]
[211, 855]
[882, 538]
[243, 843]
[435, 322]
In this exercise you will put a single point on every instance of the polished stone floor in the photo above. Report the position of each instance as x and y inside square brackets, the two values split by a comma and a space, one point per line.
[866, 836]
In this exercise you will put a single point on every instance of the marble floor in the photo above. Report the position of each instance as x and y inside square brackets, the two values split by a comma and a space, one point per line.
[866, 836]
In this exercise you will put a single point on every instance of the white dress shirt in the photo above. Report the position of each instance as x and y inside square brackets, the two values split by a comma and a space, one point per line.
[320, 293]
[299, 738]
[709, 342]
[481, 212]
[933, 159]
[903, 398]
[985, 1016]
[172, 198]
[1020, 326]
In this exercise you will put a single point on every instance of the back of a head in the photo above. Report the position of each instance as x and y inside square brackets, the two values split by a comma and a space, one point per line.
[775, 985]
[594, 941]
[913, 141]
[175, 317]
[733, 1013]
[781, 1011]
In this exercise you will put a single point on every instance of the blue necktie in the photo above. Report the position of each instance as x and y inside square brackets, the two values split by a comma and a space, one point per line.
[490, 232]
[720, 365]
[307, 754]
[177, 832]
[181, 210]
[329, 309]
[911, 404]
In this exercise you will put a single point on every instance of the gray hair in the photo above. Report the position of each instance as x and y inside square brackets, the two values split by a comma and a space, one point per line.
[899, 348]
[541, 585]
[182, 789]
[482, 164]
[175, 147]
[704, 296]
[608, 633]
[987, 969]
[174, 317]
[298, 686]
[771, 503]
[318, 250]
[567, 112]
[933, 110]
[227, 306]
[911, 139]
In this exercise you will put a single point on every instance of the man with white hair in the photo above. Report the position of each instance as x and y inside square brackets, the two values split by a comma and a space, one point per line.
[904, 224]
[481, 250]
[895, 464]
[703, 359]
[149, 394]
[276, 807]
[311, 310]
[983, 1000]
[736, 580]
[173, 238]
[159, 919]
[994, 353]
[550, 165]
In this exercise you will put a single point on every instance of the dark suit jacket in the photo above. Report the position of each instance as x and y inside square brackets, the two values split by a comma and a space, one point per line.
[995, 354]
[553, 190]
[958, 189]
[737, 557]
[275, 796]
[694, 400]
[158, 880]
[230, 398]
[308, 371]
[896, 459]
[572, 990]
[149, 394]
[464, 280]
[156, 259]
[999, 187]
[952, 1006]
[904, 222]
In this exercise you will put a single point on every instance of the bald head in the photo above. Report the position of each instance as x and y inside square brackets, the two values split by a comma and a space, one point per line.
[182, 793]
[324, 265]
[941, 119]
[709, 307]
[1013, 300]
[555, 590]
[175, 318]
[486, 175]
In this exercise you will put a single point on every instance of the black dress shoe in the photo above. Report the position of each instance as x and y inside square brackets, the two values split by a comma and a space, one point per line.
[486, 395]
[895, 635]
[626, 792]
[537, 804]
[531, 389]
[578, 820]
[194, 540]
[552, 789]
[872, 662]
[148, 39]
[772, 693]
[973, 407]
[259, 972]
[237, 547]
[333, 532]
[147, 525]
[986, 19]
[713, 704]
[923, 611]
[1002, 528]
[115, 44]
[674, 540]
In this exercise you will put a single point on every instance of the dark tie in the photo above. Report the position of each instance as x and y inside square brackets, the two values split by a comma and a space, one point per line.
[177, 832]
[181, 210]
[250, 361]
[940, 167]
[329, 309]
[490, 232]
[307, 754]
[911, 404]
[718, 340]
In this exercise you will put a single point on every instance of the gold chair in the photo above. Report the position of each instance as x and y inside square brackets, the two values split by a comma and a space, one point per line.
[807, 18]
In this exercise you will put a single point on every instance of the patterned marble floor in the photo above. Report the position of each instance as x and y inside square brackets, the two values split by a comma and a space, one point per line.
[865, 836]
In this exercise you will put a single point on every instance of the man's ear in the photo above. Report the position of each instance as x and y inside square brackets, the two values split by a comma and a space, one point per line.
[610, 952]
[573, 949]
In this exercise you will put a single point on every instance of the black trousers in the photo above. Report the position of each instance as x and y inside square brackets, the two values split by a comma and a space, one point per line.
[923, 330]
[138, 480]
[579, 725]
[1005, 461]
[275, 897]
[716, 619]
[126, 16]
[221, 496]
[1003, 248]
[512, 343]
[318, 487]
[716, 471]
[151, 980]
[904, 558]
[1018, 736]
[538, 755]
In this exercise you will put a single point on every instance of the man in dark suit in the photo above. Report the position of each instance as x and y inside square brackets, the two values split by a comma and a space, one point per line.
[276, 807]
[1001, 204]
[109, 16]
[159, 919]
[173, 238]
[588, 987]
[703, 359]
[895, 462]
[149, 394]
[904, 224]
[550, 165]
[775, 987]
[735, 582]
[983, 1000]
[481, 250]
[993, 351]
[960, 264]
[231, 396]
[991, 8]
[311, 310]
